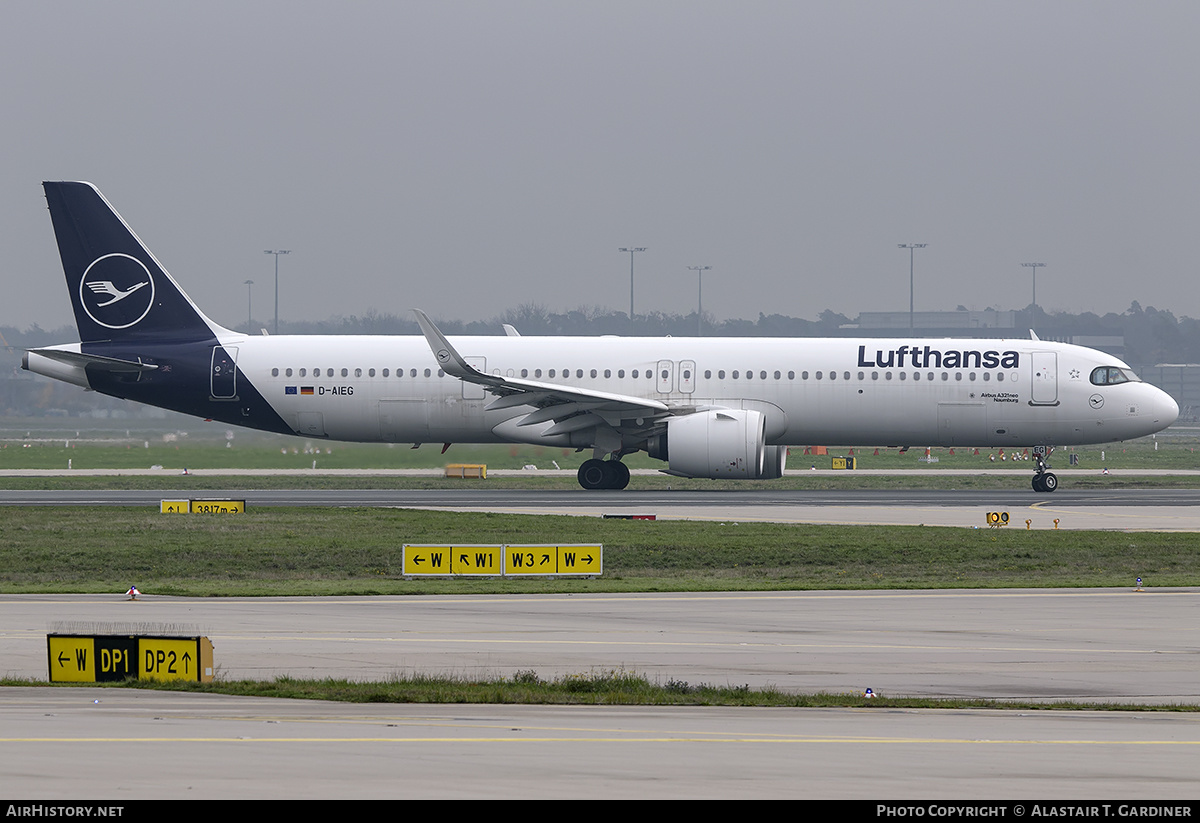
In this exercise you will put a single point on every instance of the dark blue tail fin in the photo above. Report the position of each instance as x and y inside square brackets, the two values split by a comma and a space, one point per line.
[119, 291]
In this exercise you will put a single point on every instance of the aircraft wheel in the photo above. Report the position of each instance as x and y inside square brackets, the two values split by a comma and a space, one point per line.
[620, 474]
[594, 474]
[1037, 483]
[1049, 482]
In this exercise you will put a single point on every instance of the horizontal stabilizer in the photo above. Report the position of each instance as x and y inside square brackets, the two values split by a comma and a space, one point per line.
[95, 361]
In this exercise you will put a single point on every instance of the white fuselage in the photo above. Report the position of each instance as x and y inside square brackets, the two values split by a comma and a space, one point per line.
[976, 392]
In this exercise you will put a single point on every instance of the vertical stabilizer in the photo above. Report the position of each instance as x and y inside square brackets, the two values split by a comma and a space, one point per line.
[118, 290]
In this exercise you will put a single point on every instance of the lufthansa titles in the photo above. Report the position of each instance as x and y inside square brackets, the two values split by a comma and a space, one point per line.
[928, 357]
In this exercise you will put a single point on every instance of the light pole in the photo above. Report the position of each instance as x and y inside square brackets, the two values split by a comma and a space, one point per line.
[249, 307]
[912, 248]
[699, 270]
[632, 250]
[277, 252]
[1035, 267]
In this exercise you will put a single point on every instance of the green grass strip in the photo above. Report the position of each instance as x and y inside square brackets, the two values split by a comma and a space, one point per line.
[357, 551]
[606, 688]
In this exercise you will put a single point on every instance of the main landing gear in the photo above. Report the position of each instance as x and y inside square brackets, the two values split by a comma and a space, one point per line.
[603, 474]
[1043, 481]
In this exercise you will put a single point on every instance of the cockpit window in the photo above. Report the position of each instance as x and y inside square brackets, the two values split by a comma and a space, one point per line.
[1111, 376]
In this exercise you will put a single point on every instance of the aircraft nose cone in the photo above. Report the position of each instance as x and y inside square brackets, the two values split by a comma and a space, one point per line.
[1168, 409]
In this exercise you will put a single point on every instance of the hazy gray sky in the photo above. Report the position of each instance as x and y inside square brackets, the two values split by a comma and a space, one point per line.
[467, 157]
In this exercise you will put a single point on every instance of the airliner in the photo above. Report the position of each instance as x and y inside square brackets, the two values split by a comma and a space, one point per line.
[708, 407]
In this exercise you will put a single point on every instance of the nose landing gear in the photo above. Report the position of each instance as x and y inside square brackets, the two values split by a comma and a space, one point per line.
[1043, 480]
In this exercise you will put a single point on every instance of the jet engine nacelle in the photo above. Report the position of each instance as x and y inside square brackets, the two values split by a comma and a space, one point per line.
[719, 443]
[774, 458]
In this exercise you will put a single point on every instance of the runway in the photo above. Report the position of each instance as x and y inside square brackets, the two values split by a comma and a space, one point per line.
[1115, 509]
[122, 745]
[1083, 645]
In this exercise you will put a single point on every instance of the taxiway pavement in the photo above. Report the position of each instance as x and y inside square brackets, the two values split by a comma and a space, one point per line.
[1112, 646]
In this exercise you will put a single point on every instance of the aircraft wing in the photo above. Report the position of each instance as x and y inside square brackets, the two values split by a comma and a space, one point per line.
[570, 407]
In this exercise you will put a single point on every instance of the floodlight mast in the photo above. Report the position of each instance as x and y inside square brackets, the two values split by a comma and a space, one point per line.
[632, 250]
[699, 270]
[912, 247]
[1035, 267]
[277, 252]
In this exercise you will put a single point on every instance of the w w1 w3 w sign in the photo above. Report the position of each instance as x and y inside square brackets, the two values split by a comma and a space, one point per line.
[503, 560]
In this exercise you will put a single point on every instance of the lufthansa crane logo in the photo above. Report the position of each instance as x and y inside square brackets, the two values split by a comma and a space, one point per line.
[116, 291]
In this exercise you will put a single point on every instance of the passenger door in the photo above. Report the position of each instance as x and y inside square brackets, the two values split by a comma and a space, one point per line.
[1044, 391]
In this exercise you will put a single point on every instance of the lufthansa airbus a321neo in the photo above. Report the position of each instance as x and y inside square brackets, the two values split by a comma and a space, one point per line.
[709, 407]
